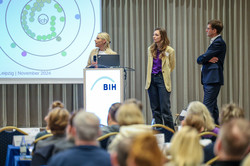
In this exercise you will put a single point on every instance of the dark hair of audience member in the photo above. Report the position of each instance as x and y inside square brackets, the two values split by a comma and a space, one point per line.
[113, 109]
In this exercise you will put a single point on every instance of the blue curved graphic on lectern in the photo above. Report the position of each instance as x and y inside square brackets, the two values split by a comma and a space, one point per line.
[101, 78]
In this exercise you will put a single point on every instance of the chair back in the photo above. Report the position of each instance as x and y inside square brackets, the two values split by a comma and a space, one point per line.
[42, 137]
[210, 162]
[104, 140]
[6, 138]
[207, 133]
[167, 131]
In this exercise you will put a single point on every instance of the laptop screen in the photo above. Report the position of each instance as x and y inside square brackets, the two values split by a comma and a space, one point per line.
[108, 60]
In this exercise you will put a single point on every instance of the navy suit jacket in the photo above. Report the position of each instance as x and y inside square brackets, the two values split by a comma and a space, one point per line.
[212, 73]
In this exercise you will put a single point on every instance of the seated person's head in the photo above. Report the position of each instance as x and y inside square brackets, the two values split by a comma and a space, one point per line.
[197, 107]
[112, 113]
[86, 125]
[233, 141]
[145, 151]
[128, 114]
[55, 104]
[230, 111]
[70, 126]
[135, 101]
[120, 154]
[185, 147]
[58, 120]
[195, 121]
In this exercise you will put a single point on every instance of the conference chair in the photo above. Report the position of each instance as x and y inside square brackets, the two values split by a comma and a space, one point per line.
[167, 131]
[42, 137]
[6, 138]
[210, 162]
[207, 133]
[105, 139]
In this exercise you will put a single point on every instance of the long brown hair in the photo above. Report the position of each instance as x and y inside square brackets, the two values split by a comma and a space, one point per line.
[163, 43]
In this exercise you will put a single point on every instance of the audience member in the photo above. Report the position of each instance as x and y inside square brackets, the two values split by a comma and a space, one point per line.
[145, 151]
[57, 122]
[230, 111]
[233, 142]
[120, 154]
[86, 152]
[185, 149]
[135, 101]
[69, 141]
[132, 123]
[113, 125]
[195, 121]
[52, 106]
[198, 108]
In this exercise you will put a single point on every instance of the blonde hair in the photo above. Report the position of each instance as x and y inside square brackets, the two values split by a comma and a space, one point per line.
[128, 114]
[246, 161]
[230, 111]
[105, 36]
[194, 121]
[197, 107]
[58, 119]
[185, 147]
[56, 103]
[145, 151]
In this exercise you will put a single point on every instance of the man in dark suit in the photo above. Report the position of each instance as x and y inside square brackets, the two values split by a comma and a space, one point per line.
[212, 67]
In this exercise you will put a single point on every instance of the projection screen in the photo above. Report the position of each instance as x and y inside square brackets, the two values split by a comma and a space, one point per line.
[46, 41]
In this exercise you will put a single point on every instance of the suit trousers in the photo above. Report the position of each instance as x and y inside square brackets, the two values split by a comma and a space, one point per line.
[211, 92]
[160, 101]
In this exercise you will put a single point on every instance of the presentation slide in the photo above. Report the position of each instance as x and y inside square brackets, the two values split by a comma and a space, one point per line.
[47, 41]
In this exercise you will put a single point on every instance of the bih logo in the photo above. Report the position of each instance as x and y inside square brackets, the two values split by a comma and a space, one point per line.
[105, 86]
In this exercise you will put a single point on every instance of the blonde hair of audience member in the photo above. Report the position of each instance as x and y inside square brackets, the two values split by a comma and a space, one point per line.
[135, 101]
[194, 121]
[128, 114]
[185, 148]
[230, 111]
[145, 151]
[233, 141]
[246, 161]
[55, 104]
[87, 127]
[58, 119]
[197, 107]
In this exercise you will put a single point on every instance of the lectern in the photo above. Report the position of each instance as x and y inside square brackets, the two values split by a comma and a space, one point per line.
[102, 87]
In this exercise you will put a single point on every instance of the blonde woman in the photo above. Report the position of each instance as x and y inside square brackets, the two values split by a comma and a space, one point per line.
[102, 42]
[161, 62]
[198, 108]
[131, 120]
[185, 148]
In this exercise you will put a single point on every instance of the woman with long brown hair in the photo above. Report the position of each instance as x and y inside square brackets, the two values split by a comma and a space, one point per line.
[161, 62]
